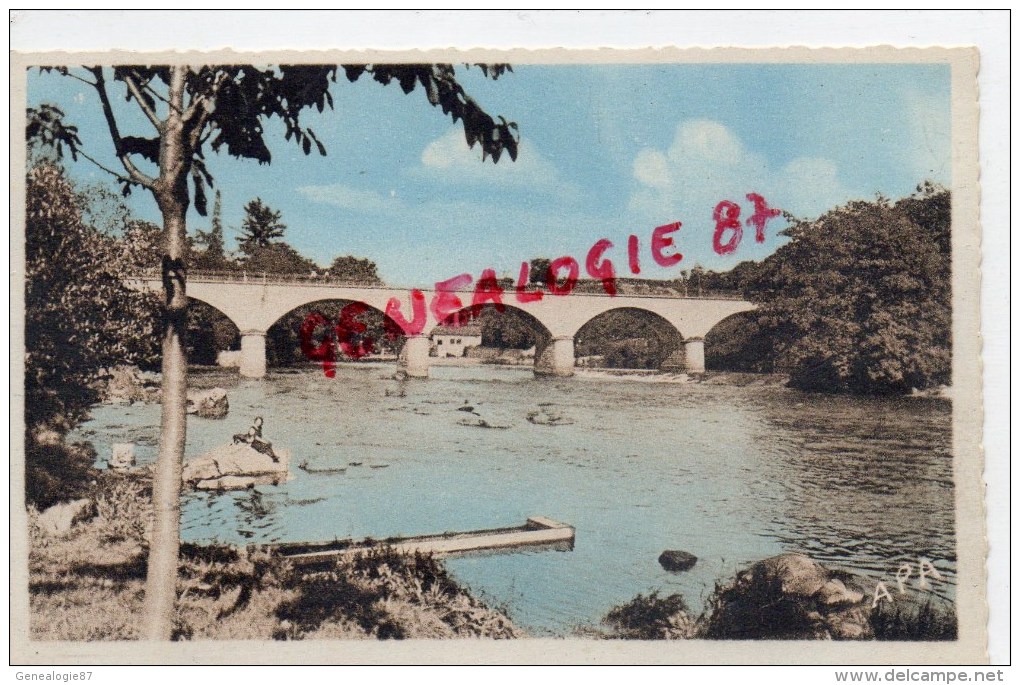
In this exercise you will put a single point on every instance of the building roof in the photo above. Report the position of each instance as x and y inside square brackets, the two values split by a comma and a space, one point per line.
[468, 330]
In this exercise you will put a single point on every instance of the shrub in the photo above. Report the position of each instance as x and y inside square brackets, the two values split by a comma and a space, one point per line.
[931, 621]
[651, 618]
[57, 472]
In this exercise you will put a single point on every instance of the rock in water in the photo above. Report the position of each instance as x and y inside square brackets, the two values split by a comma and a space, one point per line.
[209, 404]
[676, 560]
[479, 422]
[236, 467]
[123, 456]
[789, 597]
[58, 519]
[549, 417]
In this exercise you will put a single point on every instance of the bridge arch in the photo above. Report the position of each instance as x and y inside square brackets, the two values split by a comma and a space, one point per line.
[514, 328]
[379, 339]
[735, 344]
[628, 337]
[210, 332]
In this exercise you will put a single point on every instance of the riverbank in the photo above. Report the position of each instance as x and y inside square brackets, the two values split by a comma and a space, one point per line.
[87, 583]
[786, 597]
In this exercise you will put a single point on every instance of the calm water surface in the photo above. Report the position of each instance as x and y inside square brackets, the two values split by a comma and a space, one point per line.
[730, 474]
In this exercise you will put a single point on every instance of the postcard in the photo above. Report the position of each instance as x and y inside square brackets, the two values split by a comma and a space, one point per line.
[616, 356]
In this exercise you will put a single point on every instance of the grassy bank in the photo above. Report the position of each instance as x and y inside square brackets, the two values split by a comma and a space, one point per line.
[89, 585]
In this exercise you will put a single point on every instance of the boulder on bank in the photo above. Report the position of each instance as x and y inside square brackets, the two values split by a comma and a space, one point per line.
[58, 519]
[236, 467]
[788, 597]
[123, 456]
[209, 404]
[676, 560]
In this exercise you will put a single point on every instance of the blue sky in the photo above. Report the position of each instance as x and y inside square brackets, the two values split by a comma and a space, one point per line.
[606, 151]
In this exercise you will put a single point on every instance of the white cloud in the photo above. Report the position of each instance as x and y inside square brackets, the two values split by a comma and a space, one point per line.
[346, 197]
[707, 163]
[651, 168]
[450, 159]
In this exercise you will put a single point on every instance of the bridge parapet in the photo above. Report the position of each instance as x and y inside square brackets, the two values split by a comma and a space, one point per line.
[323, 280]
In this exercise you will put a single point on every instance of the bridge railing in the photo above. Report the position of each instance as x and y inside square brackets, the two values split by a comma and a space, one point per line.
[587, 288]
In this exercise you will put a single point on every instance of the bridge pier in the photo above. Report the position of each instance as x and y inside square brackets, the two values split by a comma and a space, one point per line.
[557, 359]
[694, 355]
[414, 358]
[253, 354]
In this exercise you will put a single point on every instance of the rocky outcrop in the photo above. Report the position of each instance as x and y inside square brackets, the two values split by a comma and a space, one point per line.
[209, 404]
[58, 519]
[788, 597]
[676, 560]
[236, 467]
[126, 384]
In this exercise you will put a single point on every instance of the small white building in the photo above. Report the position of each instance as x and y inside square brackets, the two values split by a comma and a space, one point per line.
[455, 341]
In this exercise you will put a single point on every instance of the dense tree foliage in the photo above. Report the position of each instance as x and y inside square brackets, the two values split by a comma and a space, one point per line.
[278, 258]
[283, 339]
[81, 318]
[628, 339]
[859, 300]
[213, 253]
[80, 321]
[351, 269]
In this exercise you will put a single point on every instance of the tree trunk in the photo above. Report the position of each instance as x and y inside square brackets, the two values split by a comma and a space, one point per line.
[172, 196]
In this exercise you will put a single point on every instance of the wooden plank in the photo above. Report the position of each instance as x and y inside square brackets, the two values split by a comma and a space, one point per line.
[539, 530]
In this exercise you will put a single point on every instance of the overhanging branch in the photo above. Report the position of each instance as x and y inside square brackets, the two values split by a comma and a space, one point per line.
[134, 173]
[146, 109]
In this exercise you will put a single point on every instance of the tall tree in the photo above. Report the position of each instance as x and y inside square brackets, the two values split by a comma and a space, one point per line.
[261, 226]
[224, 108]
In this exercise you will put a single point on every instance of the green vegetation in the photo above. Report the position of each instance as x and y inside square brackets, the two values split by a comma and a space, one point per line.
[859, 300]
[651, 618]
[80, 321]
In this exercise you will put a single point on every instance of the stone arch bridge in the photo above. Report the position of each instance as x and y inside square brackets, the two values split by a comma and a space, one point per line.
[254, 303]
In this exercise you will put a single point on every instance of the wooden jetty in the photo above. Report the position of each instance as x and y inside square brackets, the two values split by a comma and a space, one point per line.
[539, 531]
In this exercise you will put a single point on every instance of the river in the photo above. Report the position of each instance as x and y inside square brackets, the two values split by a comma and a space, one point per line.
[730, 473]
